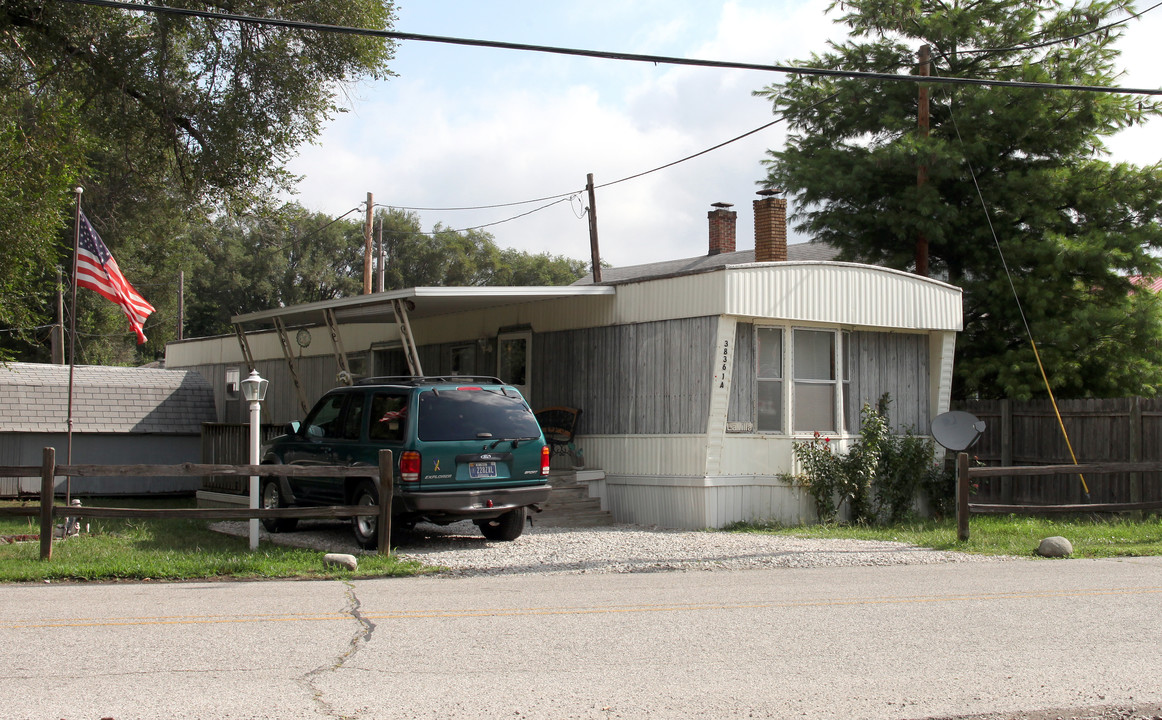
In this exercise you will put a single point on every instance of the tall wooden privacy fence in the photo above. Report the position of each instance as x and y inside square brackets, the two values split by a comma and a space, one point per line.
[229, 444]
[1102, 431]
[49, 471]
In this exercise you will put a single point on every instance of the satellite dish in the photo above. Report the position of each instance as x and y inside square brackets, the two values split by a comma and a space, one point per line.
[957, 430]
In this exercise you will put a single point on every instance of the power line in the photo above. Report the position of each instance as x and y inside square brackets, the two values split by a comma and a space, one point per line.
[477, 207]
[605, 55]
[627, 178]
[1055, 41]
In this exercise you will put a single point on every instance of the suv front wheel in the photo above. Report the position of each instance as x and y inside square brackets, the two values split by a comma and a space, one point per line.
[508, 526]
[272, 498]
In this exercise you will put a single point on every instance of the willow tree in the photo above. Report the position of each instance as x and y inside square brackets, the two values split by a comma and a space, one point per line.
[1014, 173]
[173, 117]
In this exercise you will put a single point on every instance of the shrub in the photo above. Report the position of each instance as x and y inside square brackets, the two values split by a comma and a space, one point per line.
[879, 477]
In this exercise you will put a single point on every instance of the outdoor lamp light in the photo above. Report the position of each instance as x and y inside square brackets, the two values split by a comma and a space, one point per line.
[254, 387]
[254, 390]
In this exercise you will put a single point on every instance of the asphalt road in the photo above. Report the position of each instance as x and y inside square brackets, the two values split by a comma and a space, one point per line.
[1013, 639]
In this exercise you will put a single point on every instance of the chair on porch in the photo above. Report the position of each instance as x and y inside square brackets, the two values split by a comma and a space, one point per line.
[559, 425]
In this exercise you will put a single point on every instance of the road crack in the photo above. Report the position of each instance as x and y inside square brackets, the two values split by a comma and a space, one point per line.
[358, 640]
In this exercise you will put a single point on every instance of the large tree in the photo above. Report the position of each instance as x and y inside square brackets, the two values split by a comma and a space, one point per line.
[279, 257]
[446, 257]
[1071, 226]
[164, 119]
[288, 256]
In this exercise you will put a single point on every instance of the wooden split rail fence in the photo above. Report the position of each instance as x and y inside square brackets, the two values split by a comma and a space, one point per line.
[965, 475]
[48, 471]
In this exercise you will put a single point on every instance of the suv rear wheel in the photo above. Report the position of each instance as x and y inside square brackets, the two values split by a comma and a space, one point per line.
[508, 526]
[365, 527]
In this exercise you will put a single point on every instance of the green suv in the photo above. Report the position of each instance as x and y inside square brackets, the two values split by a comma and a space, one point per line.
[464, 448]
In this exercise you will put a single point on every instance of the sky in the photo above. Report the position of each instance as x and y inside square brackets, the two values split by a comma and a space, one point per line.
[466, 127]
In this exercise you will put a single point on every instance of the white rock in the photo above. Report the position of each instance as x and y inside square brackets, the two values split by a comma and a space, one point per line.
[1055, 547]
[341, 559]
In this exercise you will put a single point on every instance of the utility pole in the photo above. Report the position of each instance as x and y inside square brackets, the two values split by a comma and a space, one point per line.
[367, 246]
[922, 171]
[379, 267]
[593, 250]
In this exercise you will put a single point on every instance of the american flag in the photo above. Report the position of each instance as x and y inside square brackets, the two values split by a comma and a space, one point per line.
[97, 270]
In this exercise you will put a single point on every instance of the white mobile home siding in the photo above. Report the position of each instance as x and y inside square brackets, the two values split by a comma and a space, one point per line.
[643, 359]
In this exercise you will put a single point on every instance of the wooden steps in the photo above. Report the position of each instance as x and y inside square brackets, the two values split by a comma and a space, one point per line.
[569, 504]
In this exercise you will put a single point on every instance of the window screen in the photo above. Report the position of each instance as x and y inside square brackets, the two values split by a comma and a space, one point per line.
[815, 381]
[769, 380]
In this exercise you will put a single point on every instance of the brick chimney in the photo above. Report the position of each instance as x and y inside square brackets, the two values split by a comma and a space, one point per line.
[770, 227]
[722, 222]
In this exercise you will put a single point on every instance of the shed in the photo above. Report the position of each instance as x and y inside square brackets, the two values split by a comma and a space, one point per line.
[695, 376]
[121, 415]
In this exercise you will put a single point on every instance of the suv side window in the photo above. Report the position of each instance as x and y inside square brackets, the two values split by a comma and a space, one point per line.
[388, 417]
[352, 426]
[324, 421]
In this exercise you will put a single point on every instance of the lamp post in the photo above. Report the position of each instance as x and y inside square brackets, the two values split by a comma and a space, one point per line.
[254, 390]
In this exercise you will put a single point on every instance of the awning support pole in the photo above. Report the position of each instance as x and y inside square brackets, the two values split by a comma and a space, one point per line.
[337, 343]
[280, 326]
[246, 354]
[406, 338]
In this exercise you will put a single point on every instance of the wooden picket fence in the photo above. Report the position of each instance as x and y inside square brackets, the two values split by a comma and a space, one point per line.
[965, 475]
[48, 471]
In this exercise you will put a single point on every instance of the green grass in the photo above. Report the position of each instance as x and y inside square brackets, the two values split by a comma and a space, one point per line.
[1000, 534]
[167, 549]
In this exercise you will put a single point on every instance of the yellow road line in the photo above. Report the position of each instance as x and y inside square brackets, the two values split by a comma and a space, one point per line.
[576, 610]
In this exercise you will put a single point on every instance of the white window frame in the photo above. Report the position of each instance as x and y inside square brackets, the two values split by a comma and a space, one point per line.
[781, 379]
[463, 351]
[840, 383]
[835, 382]
[527, 336]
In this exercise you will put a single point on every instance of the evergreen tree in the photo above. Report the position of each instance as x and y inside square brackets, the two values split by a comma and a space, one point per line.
[1072, 226]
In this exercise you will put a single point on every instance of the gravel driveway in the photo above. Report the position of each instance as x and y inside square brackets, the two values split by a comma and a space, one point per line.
[612, 549]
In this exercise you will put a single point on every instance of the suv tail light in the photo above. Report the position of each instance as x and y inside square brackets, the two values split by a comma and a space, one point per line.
[409, 466]
[545, 460]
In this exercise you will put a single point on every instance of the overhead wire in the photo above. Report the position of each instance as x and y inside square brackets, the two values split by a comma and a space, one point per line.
[599, 54]
[675, 60]
[656, 59]
[559, 198]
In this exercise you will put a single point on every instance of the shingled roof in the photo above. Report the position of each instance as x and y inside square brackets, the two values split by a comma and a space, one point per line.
[34, 398]
[808, 251]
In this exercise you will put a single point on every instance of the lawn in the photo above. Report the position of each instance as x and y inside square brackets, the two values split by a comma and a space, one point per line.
[1091, 537]
[166, 549]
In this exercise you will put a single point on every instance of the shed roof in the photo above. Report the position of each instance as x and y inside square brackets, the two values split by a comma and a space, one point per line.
[34, 398]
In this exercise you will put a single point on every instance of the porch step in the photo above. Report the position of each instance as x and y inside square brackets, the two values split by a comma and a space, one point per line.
[569, 505]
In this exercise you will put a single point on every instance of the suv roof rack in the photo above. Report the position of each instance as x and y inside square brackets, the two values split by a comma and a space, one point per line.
[428, 379]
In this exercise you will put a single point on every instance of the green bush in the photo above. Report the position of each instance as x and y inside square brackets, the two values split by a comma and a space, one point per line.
[879, 477]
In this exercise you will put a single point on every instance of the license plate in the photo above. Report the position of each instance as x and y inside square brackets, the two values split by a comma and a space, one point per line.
[482, 470]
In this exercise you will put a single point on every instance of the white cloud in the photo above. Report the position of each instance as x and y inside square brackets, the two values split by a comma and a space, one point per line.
[474, 126]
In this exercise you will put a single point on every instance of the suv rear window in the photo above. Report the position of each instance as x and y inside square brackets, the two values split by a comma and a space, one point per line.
[449, 415]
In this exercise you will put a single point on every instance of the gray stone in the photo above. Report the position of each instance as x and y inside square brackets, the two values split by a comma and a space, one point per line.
[341, 559]
[1055, 547]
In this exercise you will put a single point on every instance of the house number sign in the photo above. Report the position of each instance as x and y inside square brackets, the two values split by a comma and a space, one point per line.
[725, 361]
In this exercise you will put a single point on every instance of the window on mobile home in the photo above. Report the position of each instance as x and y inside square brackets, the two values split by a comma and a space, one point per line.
[815, 381]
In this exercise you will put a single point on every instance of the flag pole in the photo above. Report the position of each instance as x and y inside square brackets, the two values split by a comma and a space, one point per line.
[72, 345]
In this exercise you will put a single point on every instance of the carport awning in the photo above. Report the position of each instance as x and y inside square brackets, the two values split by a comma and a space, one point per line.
[421, 302]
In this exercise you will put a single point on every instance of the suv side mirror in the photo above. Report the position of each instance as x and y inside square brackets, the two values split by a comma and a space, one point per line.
[291, 428]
